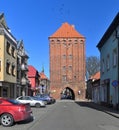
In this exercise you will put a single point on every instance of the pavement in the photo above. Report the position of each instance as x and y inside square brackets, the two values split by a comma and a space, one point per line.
[111, 111]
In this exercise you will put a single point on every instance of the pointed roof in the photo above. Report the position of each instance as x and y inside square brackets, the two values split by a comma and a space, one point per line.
[42, 75]
[31, 71]
[2, 20]
[96, 76]
[66, 30]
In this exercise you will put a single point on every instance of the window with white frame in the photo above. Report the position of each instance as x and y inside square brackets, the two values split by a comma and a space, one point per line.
[114, 57]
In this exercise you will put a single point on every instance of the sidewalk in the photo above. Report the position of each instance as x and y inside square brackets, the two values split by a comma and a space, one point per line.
[107, 110]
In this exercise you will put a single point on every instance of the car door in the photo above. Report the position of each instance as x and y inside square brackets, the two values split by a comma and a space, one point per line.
[29, 100]
[22, 99]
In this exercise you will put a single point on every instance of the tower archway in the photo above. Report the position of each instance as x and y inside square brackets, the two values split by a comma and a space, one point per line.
[67, 93]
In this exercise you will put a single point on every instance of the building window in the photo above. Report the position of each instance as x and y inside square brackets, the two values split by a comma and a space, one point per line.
[13, 51]
[103, 66]
[114, 58]
[58, 41]
[5, 91]
[64, 44]
[13, 70]
[81, 41]
[70, 67]
[64, 68]
[8, 67]
[70, 56]
[64, 56]
[64, 78]
[8, 49]
[108, 62]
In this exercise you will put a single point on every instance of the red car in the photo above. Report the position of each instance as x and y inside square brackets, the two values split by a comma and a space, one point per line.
[12, 111]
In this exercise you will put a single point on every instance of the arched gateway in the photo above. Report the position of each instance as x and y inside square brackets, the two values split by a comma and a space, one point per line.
[67, 93]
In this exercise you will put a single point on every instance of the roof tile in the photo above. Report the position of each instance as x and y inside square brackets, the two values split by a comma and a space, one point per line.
[66, 30]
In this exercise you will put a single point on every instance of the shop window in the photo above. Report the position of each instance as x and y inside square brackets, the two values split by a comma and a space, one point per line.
[5, 91]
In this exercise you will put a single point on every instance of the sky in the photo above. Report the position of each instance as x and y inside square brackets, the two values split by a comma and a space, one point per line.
[33, 21]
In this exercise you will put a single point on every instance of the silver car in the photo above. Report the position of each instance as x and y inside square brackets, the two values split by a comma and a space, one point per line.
[31, 101]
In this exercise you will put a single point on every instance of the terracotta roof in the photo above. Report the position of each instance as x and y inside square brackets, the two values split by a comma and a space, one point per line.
[31, 71]
[42, 75]
[67, 30]
[96, 75]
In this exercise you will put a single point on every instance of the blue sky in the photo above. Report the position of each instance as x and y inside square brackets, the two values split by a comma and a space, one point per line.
[34, 21]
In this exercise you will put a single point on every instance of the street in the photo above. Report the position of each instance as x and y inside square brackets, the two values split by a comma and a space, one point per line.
[68, 115]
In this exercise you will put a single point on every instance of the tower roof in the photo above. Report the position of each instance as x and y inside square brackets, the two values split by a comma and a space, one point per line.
[66, 30]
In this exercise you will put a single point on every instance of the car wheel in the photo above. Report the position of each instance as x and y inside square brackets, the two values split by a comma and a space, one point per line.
[6, 120]
[37, 105]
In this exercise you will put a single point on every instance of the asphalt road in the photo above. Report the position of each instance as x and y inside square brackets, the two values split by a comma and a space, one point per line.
[68, 115]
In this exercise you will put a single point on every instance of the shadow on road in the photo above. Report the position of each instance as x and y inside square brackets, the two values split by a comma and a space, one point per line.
[26, 121]
[98, 107]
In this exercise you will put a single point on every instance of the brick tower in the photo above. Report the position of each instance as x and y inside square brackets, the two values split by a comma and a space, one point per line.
[67, 63]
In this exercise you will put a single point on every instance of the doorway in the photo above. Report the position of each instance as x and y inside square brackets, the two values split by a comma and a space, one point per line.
[68, 93]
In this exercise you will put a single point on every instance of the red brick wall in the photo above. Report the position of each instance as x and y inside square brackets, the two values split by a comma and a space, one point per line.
[67, 58]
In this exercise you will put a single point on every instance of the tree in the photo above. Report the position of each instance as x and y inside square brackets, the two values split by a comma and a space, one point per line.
[92, 65]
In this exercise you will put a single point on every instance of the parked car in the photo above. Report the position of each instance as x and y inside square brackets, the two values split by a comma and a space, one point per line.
[31, 101]
[46, 98]
[47, 101]
[13, 111]
[63, 96]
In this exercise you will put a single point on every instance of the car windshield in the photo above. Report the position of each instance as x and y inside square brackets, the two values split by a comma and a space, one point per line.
[13, 101]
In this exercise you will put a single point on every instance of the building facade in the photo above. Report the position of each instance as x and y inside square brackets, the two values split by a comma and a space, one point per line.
[109, 56]
[33, 77]
[8, 61]
[22, 70]
[44, 83]
[67, 63]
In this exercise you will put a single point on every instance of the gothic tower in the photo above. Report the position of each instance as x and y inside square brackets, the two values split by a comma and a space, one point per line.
[67, 63]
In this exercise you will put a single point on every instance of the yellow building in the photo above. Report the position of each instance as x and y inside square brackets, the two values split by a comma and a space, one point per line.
[8, 61]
